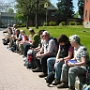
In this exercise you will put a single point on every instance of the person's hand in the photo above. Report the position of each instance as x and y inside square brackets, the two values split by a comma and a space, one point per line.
[54, 65]
[58, 60]
[38, 55]
[70, 64]
[65, 61]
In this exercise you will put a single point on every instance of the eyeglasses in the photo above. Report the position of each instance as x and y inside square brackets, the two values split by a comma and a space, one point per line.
[44, 35]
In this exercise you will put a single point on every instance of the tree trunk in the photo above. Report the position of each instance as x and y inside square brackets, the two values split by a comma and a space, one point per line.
[27, 22]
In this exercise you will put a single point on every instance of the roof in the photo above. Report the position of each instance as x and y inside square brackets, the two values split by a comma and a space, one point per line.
[51, 6]
[7, 14]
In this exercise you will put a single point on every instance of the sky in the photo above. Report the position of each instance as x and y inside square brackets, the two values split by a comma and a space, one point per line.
[54, 2]
[74, 3]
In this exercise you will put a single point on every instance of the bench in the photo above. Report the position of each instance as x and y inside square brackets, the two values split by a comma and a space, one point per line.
[81, 80]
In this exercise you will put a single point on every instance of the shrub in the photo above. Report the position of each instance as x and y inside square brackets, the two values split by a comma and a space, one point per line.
[21, 25]
[52, 23]
[78, 23]
[62, 23]
[45, 24]
[72, 23]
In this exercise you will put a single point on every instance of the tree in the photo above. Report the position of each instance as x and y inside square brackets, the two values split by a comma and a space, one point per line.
[81, 8]
[65, 10]
[1, 5]
[76, 15]
[4, 7]
[29, 8]
[10, 10]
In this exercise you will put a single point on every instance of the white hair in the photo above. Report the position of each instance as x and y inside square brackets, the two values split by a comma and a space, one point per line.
[75, 38]
[46, 33]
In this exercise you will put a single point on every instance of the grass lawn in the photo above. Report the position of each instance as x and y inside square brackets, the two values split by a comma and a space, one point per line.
[56, 31]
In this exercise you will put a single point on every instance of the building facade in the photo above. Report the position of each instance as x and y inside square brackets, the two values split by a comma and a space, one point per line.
[7, 19]
[50, 11]
[86, 21]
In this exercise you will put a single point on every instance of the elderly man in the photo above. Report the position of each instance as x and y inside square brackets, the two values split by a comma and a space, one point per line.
[49, 49]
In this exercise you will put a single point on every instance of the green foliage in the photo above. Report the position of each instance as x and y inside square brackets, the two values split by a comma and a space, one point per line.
[72, 23]
[45, 24]
[61, 23]
[28, 9]
[76, 15]
[20, 16]
[78, 23]
[81, 7]
[52, 23]
[65, 9]
[10, 10]
[21, 25]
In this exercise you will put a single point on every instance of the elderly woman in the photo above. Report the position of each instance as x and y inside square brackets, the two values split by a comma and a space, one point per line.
[70, 70]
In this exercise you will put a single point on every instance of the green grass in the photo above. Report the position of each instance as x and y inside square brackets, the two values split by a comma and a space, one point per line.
[56, 31]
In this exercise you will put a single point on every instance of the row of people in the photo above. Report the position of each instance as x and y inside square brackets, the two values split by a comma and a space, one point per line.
[62, 64]
[50, 57]
[20, 41]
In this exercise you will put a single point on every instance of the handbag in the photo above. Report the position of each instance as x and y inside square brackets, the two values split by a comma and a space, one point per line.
[50, 78]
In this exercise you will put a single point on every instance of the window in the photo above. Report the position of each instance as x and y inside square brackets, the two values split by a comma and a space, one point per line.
[86, 14]
[52, 13]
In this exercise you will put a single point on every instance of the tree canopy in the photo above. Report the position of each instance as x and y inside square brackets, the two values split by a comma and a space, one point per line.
[81, 8]
[28, 8]
[65, 9]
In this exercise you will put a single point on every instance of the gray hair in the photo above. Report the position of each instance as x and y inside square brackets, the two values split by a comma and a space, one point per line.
[75, 38]
[46, 33]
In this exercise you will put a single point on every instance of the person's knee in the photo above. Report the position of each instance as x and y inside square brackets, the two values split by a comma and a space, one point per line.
[64, 66]
[49, 60]
[71, 70]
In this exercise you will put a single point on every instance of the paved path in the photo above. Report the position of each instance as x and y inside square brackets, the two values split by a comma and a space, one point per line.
[15, 76]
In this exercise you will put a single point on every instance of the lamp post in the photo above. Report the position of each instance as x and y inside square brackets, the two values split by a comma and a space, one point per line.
[46, 6]
[36, 14]
[46, 16]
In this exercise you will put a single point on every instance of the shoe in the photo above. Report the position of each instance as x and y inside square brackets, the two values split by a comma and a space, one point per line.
[20, 53]
[71, 88]
[45, 78]
[37, 69]
[25, 64]
[55, 82]
[42, 75]
[62, 85]
[29, 65]
[23, 56]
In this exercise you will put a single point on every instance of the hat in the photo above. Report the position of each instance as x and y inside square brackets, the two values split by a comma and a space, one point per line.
[75, 38]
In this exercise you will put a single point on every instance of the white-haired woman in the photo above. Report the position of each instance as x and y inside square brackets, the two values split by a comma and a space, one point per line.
[71, 70]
